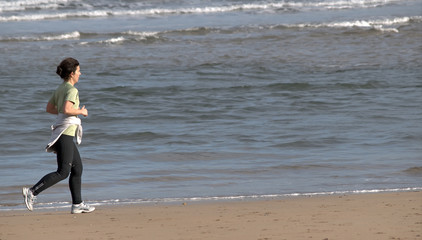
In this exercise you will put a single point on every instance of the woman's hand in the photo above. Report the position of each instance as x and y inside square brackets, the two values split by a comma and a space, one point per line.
[84, 111]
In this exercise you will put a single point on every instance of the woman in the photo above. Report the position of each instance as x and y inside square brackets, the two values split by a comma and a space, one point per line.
[65, 104]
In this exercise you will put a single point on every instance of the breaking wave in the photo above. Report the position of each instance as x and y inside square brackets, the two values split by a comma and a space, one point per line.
[383, 25]
[35, 10]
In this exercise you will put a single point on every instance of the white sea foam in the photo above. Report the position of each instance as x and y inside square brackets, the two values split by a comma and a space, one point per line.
[86, 10]
[291, 195]
[50, 37]
[138, 36]
[114, 40]
[22, 5]
[59, 205]
[386, 25]
[71, 35]
[37, 17]
[382, 24]
[143, 35]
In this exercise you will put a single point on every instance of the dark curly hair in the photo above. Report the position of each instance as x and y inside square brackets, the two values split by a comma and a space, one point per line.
[66, 67]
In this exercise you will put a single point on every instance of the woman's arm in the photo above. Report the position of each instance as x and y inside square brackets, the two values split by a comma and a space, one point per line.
[69, 110]
[51, 108]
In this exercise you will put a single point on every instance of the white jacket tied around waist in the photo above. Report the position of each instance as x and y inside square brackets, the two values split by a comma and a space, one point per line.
[63, 122]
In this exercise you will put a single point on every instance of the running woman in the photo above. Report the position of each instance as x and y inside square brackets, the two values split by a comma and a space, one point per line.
[65, 104]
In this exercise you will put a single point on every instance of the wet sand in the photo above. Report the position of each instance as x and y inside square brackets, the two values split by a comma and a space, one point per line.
[355, 216]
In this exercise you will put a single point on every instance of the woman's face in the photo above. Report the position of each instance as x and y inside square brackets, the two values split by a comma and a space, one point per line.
[76, 74]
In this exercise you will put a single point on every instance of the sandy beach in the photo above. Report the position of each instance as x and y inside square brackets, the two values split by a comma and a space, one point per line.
[354, 216]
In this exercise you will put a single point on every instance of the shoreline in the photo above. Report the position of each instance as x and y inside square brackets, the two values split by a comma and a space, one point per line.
[387, 215]
[58, 206]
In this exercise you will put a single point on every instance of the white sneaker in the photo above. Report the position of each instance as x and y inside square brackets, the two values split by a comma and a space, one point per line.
[29, 198]
[82, 208]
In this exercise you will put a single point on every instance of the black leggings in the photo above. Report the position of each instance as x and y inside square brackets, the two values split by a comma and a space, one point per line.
[68, 161]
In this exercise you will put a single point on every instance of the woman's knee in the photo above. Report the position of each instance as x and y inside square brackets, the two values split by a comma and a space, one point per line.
[77, 170]
[63, 173]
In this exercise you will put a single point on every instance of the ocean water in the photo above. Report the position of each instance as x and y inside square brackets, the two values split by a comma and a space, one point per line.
[199, 100]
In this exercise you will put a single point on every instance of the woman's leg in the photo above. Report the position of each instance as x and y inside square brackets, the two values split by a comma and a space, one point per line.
[75, 178]
[75, 184]
[64, 148]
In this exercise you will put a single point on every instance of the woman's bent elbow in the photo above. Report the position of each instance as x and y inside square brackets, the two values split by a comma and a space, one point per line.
[51, 108]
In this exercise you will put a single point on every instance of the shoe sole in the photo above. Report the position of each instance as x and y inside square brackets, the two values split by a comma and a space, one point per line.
[25, 196]
[83, 211]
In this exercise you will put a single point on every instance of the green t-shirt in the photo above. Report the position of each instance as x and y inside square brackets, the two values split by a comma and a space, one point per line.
[66, 92]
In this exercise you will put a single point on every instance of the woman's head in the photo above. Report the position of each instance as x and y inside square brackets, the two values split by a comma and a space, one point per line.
[67, 67]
